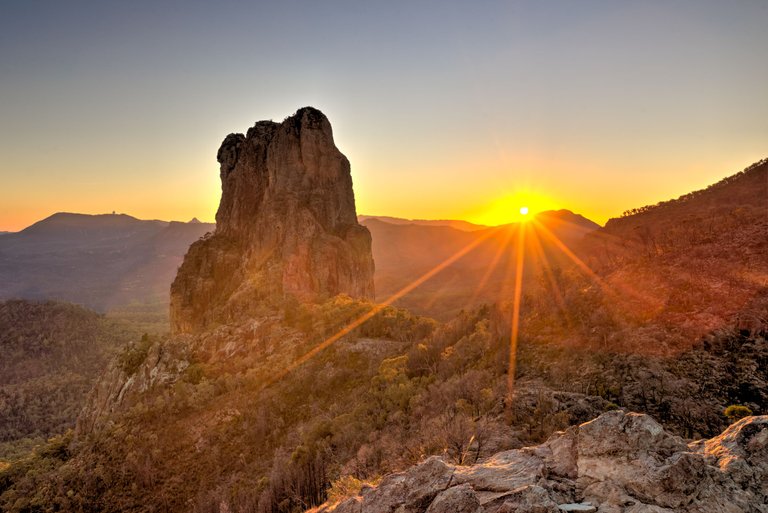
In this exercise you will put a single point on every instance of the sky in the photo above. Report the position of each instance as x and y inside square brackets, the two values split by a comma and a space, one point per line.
[464, 110]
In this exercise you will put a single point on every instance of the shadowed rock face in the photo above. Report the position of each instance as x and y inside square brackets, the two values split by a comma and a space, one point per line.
[286, 225]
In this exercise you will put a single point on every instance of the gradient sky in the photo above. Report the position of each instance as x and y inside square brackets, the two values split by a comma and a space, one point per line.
[445, 109]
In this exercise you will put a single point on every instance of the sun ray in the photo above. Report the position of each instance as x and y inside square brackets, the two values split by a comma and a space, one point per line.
[547, 267]
[605, 286]
[507, 283]
[519, 263]
[380, 306]
[492, 267]
[575, 259]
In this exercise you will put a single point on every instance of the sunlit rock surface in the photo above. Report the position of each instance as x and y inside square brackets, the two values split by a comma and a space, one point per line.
[286, 226]
[619, 462]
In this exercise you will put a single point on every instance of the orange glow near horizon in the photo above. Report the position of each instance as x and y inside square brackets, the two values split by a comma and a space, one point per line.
[493, 195]
[514, 207]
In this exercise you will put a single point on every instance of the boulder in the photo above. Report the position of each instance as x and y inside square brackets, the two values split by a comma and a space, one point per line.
[457, 499]
[618, 463]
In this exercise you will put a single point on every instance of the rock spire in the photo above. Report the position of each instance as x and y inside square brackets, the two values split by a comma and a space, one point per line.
[286, 226]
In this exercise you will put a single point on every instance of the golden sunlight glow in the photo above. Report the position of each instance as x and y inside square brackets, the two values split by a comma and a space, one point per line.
[513, 207]
[376, 308]
[526, 235]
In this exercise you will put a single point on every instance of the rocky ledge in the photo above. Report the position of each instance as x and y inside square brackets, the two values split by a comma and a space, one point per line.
[619, 462]
[286, 226]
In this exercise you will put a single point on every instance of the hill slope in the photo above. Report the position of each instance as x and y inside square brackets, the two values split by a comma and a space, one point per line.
[695, 263]
[51, 355]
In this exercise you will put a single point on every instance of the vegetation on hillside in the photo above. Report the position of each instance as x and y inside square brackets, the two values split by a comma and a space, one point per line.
[375, 402]
[51, 355]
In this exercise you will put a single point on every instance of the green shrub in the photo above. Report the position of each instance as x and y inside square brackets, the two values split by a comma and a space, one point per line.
[344, 487]
[736, 411]
[194, 374]
[134, 355]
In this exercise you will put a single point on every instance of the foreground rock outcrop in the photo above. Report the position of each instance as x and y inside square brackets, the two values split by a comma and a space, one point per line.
[619, 462]
[286, 226]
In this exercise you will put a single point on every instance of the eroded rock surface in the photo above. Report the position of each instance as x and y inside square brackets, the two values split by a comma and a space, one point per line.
[619, 462]
[286, 226]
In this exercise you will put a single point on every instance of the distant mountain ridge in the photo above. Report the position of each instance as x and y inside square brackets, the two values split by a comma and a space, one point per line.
[466, 226]
[111, 260]
[62, 222]
[566, 216]
[99, 261]
[458, 224]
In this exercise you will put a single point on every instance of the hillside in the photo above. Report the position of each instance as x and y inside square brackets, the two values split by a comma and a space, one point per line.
[693, 264]
[737, 196]
[101, 262]
[51, 355]
[228, 417]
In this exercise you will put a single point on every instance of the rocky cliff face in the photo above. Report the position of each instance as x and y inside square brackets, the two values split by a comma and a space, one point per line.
[619, 462]
[286, 225]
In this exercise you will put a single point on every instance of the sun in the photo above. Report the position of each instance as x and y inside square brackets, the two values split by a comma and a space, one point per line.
[517, 206]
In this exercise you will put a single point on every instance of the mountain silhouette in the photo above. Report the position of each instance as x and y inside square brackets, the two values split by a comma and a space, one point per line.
[100, 261]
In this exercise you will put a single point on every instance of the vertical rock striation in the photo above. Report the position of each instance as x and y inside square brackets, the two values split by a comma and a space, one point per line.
[286, 226]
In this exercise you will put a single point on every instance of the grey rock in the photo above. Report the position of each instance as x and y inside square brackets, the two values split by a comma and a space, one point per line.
[622, 462]
[584, 507]
[560, 453]
[526, 499]
[410, 491]
[503, 472]
[457, 499]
